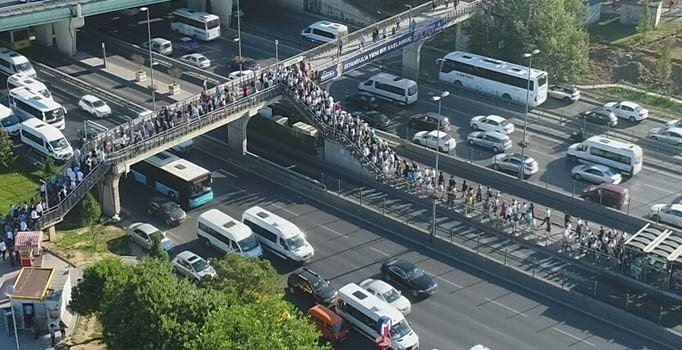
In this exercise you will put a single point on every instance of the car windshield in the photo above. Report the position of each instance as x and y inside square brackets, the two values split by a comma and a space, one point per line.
[415, 273]
[445, 137]
[199, 265]
[400, 329]
[99, 103]
[22, 67]
[59, 145]
[320, 284]
[165, 46]
[10, 120]
[201, 58]
[249, 243]
[170, 206]
[504, 123]
[606, 172]
[391, 295]
[295, 242]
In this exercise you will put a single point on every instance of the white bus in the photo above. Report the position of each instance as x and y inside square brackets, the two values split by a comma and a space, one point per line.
[623, 156]
[200, 25]
[493, 77]
[278, 235]
[391, 87]
[363, 310]
[45, 139]
[13, 63]
[25, 80]
[227, 234]
[28, 104]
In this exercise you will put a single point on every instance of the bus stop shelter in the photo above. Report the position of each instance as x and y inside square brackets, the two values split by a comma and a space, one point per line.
[654, 256]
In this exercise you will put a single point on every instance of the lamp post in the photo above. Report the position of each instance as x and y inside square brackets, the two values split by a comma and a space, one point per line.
[277, 54]
[10, 293]
[239, 37]
[438, 99]
[524, 142]
[152, 87]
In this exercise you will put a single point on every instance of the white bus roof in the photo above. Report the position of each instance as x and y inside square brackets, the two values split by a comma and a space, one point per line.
[11, 56]
[203, 16]
[353, 293]
[5, 111]
[612, 143]
[34, 99]
[262, 216]
[179, 167]
[330, 26]
[50, 132]
[493, 64]
[220, 219]
[393, 79]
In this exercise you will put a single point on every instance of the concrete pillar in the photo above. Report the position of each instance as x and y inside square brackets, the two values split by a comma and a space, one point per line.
[197, 5]
[223, 9]
[109, 195]
[65, 33]
[52, 234]
[411, 60]
[461, 38]
[236, 134]
[44, 34]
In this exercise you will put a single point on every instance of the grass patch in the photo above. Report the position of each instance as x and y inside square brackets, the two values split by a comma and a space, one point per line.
[19, 185]
[79, 247]
[661, 103]
[610, 30]
[637, 41]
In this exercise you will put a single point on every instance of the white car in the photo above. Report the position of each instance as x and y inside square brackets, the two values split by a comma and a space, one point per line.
[565, 93]
[237, 74]
[674, 123]
[95, 106]
[596, 173]
[387, 293]
[511, 162]
[492, 123]
[197, 60]
[143, 235]
[627, 110]
[667, 213]
[435, 140]
[671, 135]
[191, 265]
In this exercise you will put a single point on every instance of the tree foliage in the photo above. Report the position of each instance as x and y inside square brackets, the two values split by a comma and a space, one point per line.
[90, 210]
[644, 25]
[49, 168]
[245, 279]
[664, 63]
[509, 28]
[156, 250]
[7, 156]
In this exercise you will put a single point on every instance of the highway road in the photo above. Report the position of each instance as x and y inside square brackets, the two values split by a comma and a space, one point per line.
[470, 307]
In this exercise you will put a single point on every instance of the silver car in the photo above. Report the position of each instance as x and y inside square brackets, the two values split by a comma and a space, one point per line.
[493, 140]
[596, 173]
[511, 162]
[191, 265]
[671, 135]
[564, 92]
[143, 234]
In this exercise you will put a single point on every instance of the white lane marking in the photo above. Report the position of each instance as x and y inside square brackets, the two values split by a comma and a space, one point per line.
[574, 337]
[445, 280]
[333, 231]
[282, 208]
[506, 307]
[378, 251]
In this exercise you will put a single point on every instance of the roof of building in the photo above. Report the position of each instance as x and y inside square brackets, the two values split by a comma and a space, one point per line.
[665, 243]
[32, 283]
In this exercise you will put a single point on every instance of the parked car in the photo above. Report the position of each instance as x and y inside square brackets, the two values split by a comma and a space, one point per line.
[188, 44]
[511, 162]
[492, 123]
[672, 135]
[332, 327]
[94, 106]
[492, 140]
[375, 119]
[627, 110]
[409, 277]
[596, 173]
[429, 121]
[565, 93]
[246, 64]
[143, 234]
[159, 45]
[387, 293]
[360, 101]
[166, 210]
[197, 60]
[237, 74]
[191, 265]
[667, 213]
[183, 147]
[435, 139]
[599, 116]
[308, 282]
[607, 194]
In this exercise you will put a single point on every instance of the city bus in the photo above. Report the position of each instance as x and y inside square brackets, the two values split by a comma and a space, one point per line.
[27, 104]
[199, 25]
[24, 80]
[16, 39]
[494, 77]
[180, 180]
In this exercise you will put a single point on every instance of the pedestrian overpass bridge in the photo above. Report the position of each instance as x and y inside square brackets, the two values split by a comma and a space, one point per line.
[324, 59]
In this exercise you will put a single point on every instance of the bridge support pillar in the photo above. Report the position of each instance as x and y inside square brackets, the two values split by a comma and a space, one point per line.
[109, 195]
[461, 38]
[44, 34]
[411, 60]
[236, 134]
[65, 33]
[223, 9]
[197, 5]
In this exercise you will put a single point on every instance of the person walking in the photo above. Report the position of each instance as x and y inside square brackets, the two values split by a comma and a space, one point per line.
[62, 329]
[53, 330]
[3, 249]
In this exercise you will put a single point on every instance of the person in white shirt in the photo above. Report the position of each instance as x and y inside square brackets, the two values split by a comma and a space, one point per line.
[3, 249]
[79, 176]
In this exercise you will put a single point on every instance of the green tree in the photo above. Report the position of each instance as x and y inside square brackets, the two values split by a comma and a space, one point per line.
[644, 25]
[101, 283]
[664, 63]
[157, 251]
[555, 27]
[49, 168]
[245, 279]
[90, 214]
[7, 156]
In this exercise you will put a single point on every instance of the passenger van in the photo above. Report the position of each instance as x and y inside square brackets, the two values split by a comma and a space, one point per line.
[391, 87]
[8, 121]
[278, 235]
[332, 326]
[32, 84]
[45, 139]
[160, 45]
[228, 235]
[324, 31]
[363, 311]
[623, 156]
[12, 63]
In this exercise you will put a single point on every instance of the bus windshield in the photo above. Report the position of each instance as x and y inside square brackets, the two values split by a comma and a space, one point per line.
[542, 80]
[214, 23]
[55, 115]
[400, 329]
[201, 186]
[295, 242]
[412, 90]
[22, 67]
[249, 243]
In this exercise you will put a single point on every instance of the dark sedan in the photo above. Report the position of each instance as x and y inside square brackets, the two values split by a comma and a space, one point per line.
[374, 119]
[308, 282]
[166, 210]
[360, 101]
[246, 64]
[599, 116]
[409, 277]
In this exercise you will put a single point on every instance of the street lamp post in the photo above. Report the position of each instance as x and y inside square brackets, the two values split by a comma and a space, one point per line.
[524, 142]
[239, 37]
[277, 54]
[438, 99]
[10, 293]
[152, 87]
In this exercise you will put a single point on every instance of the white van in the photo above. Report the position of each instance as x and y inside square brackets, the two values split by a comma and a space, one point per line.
[45, 139]
[32, 84]
[324, 31]
[278, 235]
[363, 310]
[626, 157]
[391, 87]
[228, 235]
[12, 63]
[8, 121]
[160, 45]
